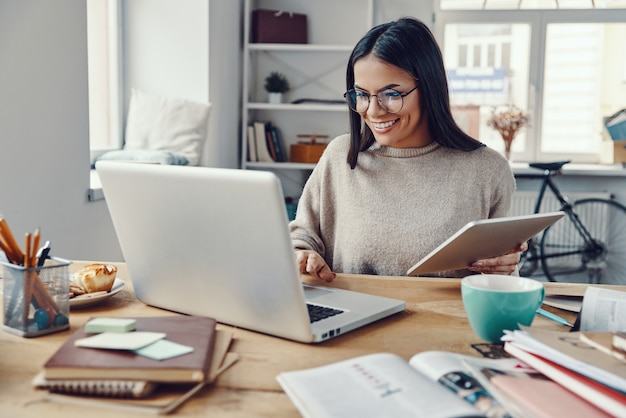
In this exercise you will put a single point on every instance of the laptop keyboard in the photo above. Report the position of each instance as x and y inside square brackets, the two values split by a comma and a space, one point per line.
[317, 313]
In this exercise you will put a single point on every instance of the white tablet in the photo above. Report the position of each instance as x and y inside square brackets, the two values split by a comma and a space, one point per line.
[484, 238]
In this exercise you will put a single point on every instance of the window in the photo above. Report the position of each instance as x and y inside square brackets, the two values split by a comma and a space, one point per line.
[564, 64]
[105, 121]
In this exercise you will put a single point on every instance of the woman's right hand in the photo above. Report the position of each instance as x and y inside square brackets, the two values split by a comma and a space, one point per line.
[312, 263]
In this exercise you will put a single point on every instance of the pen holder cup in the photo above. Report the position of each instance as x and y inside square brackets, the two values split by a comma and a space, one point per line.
[36, 299]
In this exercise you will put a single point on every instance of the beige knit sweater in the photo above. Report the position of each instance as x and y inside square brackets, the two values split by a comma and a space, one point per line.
[397, 205]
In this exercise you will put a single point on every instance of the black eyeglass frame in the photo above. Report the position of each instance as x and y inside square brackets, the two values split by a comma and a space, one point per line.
[378, 99]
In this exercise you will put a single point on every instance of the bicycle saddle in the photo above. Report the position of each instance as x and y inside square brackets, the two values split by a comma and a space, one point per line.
[555, 165]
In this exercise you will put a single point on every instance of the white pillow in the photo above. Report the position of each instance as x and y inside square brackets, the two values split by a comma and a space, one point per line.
[168, 124]
[143, 155]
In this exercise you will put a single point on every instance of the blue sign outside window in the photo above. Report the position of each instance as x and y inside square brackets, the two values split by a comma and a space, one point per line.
[477, 80]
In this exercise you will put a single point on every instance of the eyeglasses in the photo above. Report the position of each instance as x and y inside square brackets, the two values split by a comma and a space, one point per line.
[389, 100]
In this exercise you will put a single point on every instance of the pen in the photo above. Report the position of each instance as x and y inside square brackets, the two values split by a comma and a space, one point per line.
[553, 317]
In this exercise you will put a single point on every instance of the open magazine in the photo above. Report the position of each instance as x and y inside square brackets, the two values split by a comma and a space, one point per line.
[603, 310]
[432, 384]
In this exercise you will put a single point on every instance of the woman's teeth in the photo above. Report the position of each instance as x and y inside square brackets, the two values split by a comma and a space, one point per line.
[384, 125]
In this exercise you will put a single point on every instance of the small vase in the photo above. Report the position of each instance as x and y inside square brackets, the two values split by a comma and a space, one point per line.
[274, 97]
[507, 137]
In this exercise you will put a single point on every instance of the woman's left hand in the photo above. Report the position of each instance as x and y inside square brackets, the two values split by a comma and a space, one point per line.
[504, 264]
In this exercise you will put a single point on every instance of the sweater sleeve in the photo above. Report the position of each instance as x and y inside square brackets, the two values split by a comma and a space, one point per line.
[305, 228]
[504, 188]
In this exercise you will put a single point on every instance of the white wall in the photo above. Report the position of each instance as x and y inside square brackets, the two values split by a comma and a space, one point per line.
[44, 151]
[167, 49]
[225, 47]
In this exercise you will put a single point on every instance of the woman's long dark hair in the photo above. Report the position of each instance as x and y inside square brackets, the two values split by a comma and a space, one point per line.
[408, 44]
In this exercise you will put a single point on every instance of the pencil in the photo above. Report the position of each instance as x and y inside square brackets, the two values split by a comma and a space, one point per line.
[8, 251]
[11, 243]
[553, 317]
[27, 279]
[37, 240]
[5, 249]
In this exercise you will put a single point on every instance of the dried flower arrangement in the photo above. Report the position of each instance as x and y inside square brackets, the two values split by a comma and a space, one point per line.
[507, 120]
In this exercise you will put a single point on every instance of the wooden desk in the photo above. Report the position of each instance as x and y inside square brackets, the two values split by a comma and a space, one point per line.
[434, 320]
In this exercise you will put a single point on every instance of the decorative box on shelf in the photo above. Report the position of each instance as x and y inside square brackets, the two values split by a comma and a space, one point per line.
[619, 151]
[279, 26]
[307, 151]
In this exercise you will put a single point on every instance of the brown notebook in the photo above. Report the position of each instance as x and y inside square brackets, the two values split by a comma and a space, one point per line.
[71, 362]
[165, 398]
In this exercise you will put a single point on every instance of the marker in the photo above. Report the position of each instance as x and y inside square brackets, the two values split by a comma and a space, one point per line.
[553, 317]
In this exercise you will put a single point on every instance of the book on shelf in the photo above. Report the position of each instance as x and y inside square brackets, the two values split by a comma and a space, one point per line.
[279, 147]
[252, 153]
[260, 137]
[268, 143]
[616, 125]
[72, 362]
[137, 395]
[430, 384]
[271, 146]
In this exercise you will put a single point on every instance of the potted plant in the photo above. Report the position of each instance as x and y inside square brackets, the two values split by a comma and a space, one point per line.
[276, 84]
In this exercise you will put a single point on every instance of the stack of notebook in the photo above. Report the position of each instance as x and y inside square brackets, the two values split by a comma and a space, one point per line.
[586, 363]
[108, 369]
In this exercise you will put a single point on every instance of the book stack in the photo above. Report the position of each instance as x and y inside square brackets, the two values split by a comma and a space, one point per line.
[101, 369]
[265, 143]
[588, 364]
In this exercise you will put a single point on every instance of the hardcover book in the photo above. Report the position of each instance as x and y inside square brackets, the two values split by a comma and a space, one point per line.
[603, 397]
[71, 362]
[263, 153]
[543, 398]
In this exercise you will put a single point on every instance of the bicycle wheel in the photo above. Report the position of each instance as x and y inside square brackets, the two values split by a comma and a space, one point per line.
[567, 256]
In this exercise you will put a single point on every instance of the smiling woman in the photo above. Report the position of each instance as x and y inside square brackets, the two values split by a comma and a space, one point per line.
[406, 177]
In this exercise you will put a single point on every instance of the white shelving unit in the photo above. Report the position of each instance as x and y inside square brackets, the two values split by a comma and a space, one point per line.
[316, 71]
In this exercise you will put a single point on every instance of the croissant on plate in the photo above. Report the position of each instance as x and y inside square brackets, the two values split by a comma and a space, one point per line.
[96, 277]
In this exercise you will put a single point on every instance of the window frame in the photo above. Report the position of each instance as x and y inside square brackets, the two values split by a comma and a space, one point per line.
[538, 20]
[110, 95]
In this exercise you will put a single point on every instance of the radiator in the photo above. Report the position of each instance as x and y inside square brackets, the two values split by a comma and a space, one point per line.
[524, 202]
[594, 217]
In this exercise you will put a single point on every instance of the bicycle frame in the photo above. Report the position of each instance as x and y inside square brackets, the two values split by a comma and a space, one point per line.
[567, 207]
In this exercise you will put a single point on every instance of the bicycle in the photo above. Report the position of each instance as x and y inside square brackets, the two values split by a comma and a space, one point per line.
[588, 244]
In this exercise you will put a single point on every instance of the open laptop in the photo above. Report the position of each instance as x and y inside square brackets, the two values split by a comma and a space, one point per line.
[215, 242]
[484, 238]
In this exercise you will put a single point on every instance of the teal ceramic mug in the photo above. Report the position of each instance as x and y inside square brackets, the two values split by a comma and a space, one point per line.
[495, 302]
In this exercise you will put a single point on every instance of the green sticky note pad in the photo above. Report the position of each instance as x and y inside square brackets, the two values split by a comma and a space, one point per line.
[163, 349]
[98, 325]
[120, 340]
